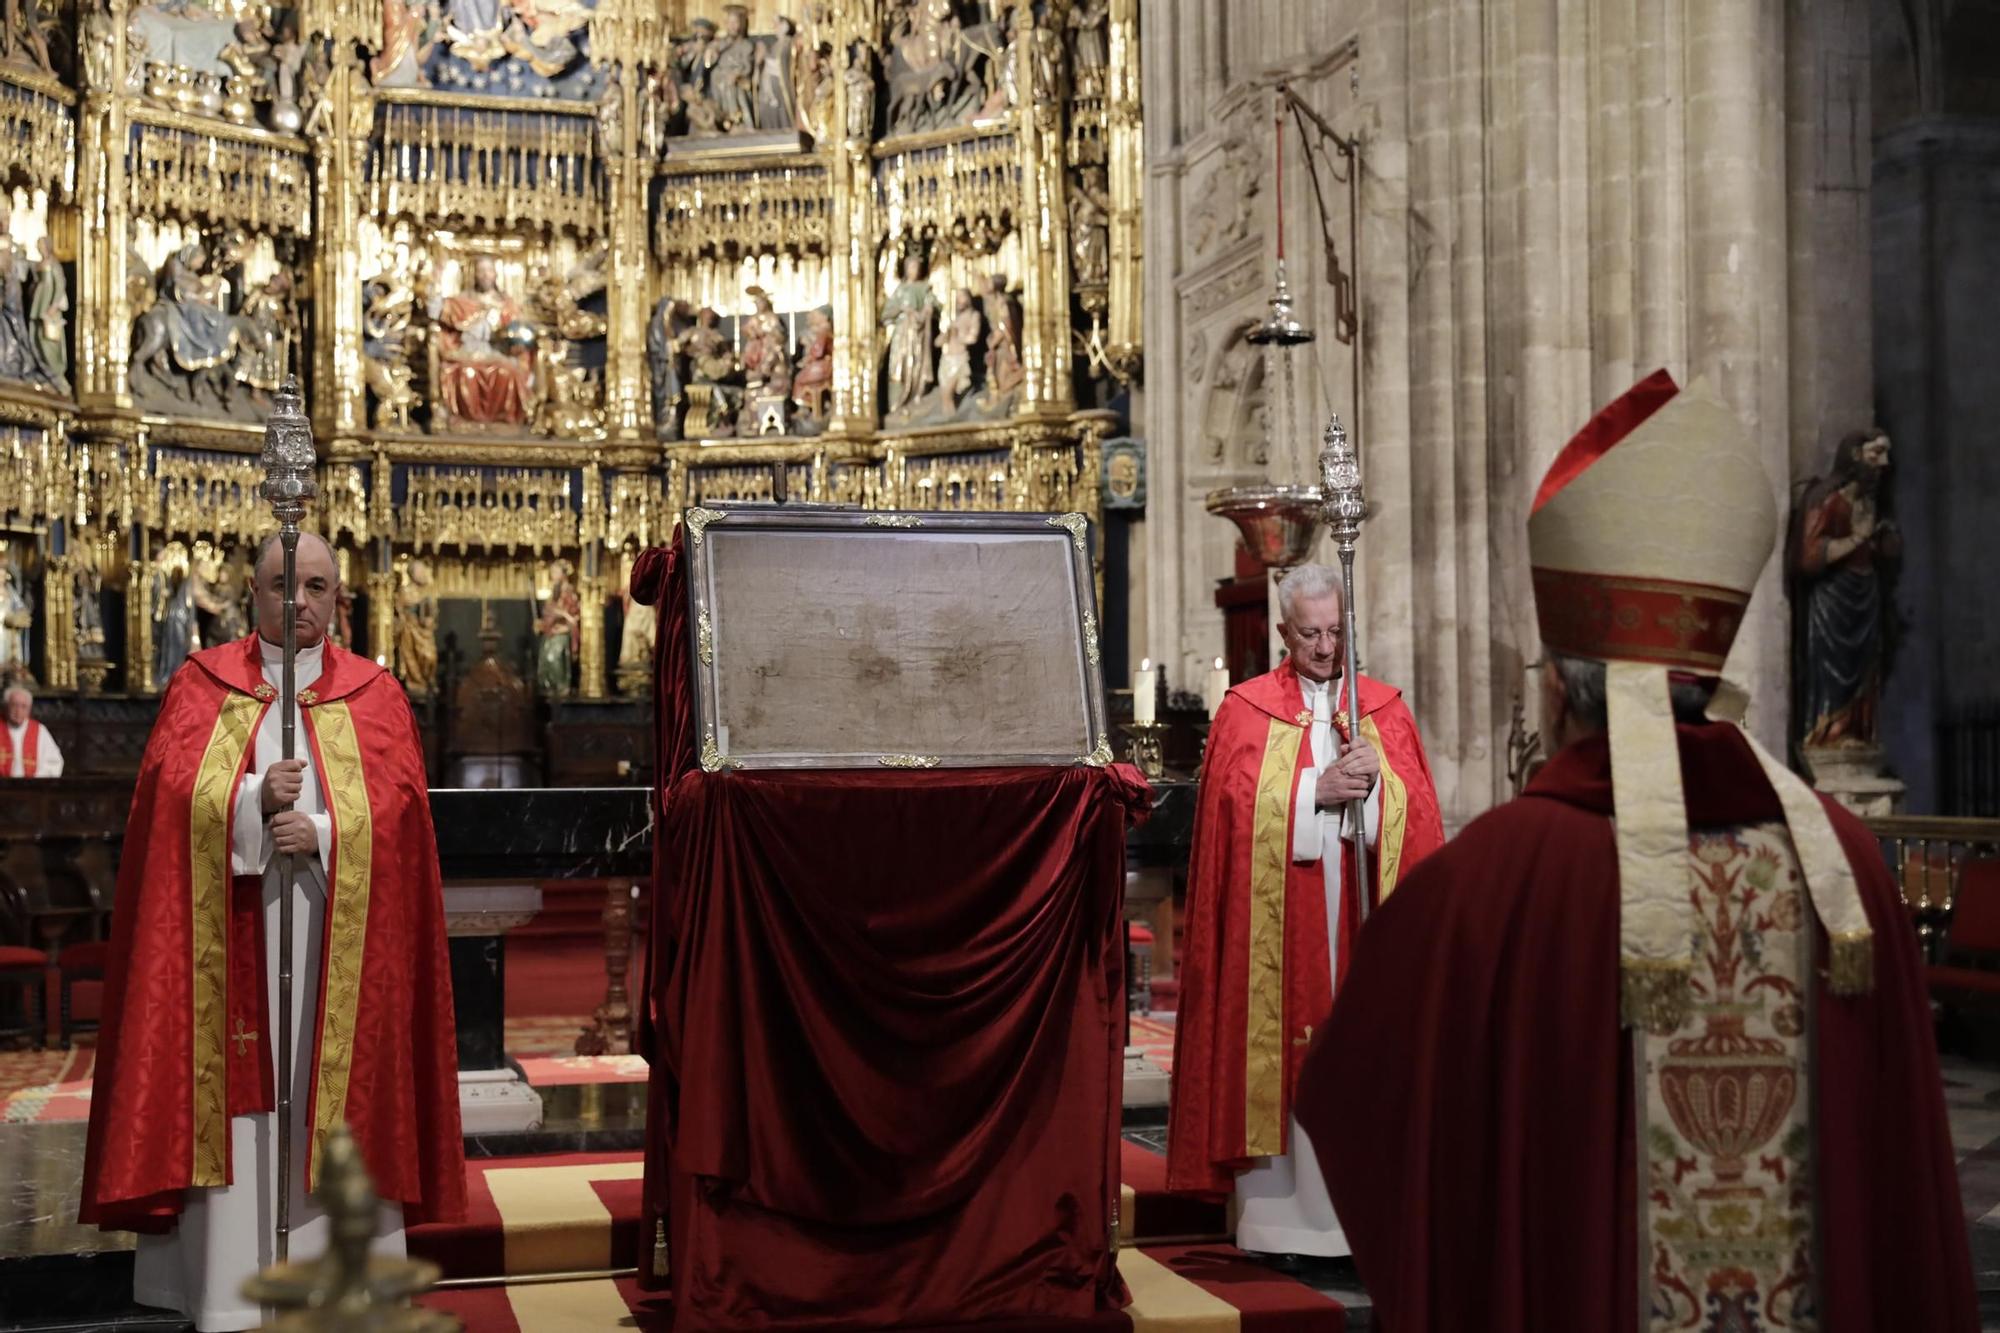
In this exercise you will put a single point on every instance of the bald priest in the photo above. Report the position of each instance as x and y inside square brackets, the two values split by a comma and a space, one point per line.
[1274, 909]
[1648, 1047]
[183, 1139]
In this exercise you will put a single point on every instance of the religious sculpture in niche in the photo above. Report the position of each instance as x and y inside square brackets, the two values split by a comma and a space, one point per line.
[942, 71]
[194, 60]
[635, 638]
[559, 630]
[388, 336]
[171, 591]
[220, 591]
[505, 48]
[666, 364]
[908, 316]
[572, 316]
[957, 340]
[29, 31]
[812, 383]
[1842, 556]
[1004, 371]
[1089, 49]
[714, 389]
[1090, 228]
[724, 80]
[766, 357]
[416, 630]
[484, 357]
[191, 351]
[34, 316]
[87, 600]
[17, 614]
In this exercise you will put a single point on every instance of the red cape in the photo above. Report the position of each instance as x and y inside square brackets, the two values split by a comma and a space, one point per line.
[1486, 1173]
[186, 969]
[1247, 1011]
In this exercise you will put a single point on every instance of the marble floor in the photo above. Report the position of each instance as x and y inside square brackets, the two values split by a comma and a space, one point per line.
[55, 1275]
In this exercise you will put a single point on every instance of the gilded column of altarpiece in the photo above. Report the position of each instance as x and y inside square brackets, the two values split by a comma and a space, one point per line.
[550, 272]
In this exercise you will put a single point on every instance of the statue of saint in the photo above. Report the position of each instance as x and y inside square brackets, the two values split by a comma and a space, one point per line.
[1090, 229]
[955, 341]
[409, 30]
[665, 363]
[813, 381]
[173, 618]
[48, 319]
[766, 354]
[17, 616]
[730, 69]
[487, 370]
[1004, 372]
[474, 29]
[416, 630]
[87, 594]
[559, 628]
[185, 327]
[270, 330]
[1840, 556]
[909, 315]
[708, 350]
[1088, 46]
[778, 68]
[635, 641]
[17, 342]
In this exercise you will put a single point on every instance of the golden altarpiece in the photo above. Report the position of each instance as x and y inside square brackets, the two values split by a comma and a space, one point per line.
[549, 272]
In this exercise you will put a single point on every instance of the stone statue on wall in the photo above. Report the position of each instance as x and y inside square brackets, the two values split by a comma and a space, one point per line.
[173, 609]
[48, 319]
[730, 69]
[559, 631]
[416, 630]
[17, 340]
[17, 614]
[666, 364]
[387, 332]
[938, 70]
[25, 26]
[1089, 49]
[858, 84]
[956, 341]
[1090, 228]
[87, 597]
[269, 330]
[486, 354]
[1004, 371]
[909, 316]
[812, 383]
[1841, 557]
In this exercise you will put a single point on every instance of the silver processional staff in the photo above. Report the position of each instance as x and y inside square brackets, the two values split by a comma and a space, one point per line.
[1342, 509]
[288, 484]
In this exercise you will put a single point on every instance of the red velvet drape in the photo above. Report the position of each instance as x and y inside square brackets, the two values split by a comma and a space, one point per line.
[884, 1013]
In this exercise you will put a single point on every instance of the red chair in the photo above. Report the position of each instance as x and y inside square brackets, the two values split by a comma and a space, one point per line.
[79, 962]
[1975, 929]
[27, 972]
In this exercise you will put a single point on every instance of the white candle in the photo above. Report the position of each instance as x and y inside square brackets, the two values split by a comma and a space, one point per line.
[1145, 689]
[1218, 686]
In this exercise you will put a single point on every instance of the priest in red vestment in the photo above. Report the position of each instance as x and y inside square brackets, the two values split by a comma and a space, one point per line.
[182, 1144]
[1648, 1047]
[1273, 910]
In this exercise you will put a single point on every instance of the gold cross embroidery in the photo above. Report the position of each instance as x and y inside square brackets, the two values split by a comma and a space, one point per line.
[242, 1037]
[1684, 623]
[1305, 1040]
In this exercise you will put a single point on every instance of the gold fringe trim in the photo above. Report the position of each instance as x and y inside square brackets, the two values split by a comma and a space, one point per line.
[1851, 962]
[1654, 995]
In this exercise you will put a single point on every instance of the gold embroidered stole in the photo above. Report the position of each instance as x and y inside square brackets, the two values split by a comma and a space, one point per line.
[1724, 1111]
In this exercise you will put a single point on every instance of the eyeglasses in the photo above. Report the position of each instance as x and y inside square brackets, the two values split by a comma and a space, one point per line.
[1316, 637]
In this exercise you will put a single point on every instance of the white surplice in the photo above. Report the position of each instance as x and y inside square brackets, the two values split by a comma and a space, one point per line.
[225, 1235]
[48, 755]
[1282, 1206]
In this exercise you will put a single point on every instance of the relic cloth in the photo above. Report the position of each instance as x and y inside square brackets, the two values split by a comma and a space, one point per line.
[187, 953]
[1488, 1178]
[1258, 975]
[884, 1013]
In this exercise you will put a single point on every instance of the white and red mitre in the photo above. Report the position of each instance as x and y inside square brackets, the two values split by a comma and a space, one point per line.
[1646, 538]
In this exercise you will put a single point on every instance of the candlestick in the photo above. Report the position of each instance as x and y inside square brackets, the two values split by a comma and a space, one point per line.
[1145, 691]
[1218, 686]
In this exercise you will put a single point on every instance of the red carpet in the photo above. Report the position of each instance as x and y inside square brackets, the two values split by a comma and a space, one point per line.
[1196, 1288]
[579, 1212]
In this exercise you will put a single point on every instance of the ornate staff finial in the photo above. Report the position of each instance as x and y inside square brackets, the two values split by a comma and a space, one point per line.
[288, 457]
[1342, 503]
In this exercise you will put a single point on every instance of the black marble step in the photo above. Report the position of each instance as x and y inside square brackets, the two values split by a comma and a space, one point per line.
[56, 1293]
